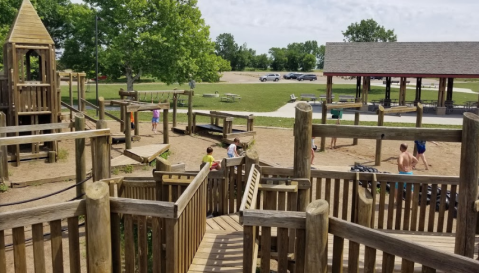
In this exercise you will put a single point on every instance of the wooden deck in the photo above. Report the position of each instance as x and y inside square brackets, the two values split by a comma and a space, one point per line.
[146, 154]
[222, 247]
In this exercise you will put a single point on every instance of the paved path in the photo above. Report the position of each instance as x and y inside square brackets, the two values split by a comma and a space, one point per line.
[287, 111]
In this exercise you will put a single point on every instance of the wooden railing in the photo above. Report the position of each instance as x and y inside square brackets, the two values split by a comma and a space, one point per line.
[311, 244]
[413, 213]
[17, 226]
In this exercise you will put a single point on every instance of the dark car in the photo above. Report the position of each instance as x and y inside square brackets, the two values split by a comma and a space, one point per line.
[296, 75]
[376, 78]
[288, 76]
[306, 77]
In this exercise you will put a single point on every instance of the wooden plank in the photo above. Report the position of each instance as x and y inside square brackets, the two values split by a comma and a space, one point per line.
[337, 186]
[344, 105]
[19, 255]
[56, 245]
[146, 154]
[283, 250]
[142, 245]
[392, 194]
[450, 213]
[36, 182]
[415, 208]
[422, 212]
[129, 244]
[386, 133]
[265, 248]
[278, 188]
[53, 137]
[3, 260]
[338, 247]
[73, 245]
[432, 208]
[282, 219]
[184, 199]
[142, 207]
[401, 109]
[26, 217]
[382, 202]
[442, 208]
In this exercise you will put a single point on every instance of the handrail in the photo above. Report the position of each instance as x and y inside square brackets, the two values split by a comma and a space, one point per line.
[249, 185]
[36, 127]
[47, 213]
[185, 197]
[411, 251]
[386, 133]
[274, 218]
[98, 108]
[53, 137]
[143, 207]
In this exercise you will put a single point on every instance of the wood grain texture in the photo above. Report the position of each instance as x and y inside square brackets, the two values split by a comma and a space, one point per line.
[282, 219]
[53, 137]
[317, 236]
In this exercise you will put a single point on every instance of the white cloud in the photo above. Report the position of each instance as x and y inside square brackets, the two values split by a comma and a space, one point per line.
[263, 24]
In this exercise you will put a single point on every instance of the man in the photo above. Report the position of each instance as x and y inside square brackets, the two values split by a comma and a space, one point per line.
[406, 162]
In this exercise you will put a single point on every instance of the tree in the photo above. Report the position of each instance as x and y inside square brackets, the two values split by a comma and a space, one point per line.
[167, 39]
[262, 62]
[308, 62]
[320, 56]
[278, 58]
[227, 48]
[368, 31]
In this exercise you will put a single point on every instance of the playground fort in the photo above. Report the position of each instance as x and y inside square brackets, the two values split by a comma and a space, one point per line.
[308, 220]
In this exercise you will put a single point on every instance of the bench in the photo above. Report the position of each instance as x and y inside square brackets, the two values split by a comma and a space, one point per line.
[347, 98]
[323, 97]
[292, 98]
[311, 97]
[226, 99]
[181, 102]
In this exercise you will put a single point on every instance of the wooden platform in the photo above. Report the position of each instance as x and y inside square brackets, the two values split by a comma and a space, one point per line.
[123, 161]
[222, 248]
[146, 154]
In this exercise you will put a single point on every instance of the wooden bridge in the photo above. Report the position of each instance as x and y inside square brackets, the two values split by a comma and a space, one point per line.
[296, 220]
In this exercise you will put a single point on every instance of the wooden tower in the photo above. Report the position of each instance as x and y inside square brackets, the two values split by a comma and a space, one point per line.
[29, 93]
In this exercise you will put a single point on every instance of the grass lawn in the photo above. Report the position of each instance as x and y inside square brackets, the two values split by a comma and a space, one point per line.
[260, 97]
[474, 86]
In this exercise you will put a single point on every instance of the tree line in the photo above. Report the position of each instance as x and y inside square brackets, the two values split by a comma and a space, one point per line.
[295, 57]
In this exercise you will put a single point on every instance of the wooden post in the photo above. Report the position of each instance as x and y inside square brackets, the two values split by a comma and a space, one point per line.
[100, 153]
[190, 112]
[3, 153]
[317, 222]
[418, 90]
[194, 123]
[251, 158]
[365, 209]
[80, 161]
[324, 118]
[98, 227]
[166, 136]
[468, 177]
[366, 81]
[101, 106]
[115, 231]
[127, 122]
[162, 164]
[358, 89]
[356, 122]
[379, 141]
[82, 95]
[387, 96]
[302, 149]
[135, 116]
[329, 89]
[419, 112]
[70, 93]
[175, 107]
[402, 91]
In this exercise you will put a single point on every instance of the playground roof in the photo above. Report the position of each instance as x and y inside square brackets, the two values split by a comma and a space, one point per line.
[403, 59]
[28, 27]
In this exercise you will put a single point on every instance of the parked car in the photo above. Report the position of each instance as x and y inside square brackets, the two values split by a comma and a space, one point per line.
[270, 77]
[288, 76]
[305, 77]
[296, 75]
[376, 78]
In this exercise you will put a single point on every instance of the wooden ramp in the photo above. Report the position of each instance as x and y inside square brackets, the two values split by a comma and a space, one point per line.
[146, 154]
[123, 161]
[222, 247]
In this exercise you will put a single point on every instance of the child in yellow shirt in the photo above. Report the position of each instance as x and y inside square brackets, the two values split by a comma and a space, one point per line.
[208, 158]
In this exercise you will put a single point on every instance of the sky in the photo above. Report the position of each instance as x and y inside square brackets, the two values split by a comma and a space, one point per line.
[263, 24]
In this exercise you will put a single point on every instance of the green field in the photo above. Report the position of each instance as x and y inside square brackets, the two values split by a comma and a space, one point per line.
[260, 97]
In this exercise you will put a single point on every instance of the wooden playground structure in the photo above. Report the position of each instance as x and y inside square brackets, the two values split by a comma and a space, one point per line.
[346, 105]
[307, 220]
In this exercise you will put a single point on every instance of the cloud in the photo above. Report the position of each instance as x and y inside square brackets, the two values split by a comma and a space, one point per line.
[263, 24]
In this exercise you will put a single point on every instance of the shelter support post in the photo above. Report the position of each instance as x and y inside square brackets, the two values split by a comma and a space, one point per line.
[450, 85]
[80, 161]
[365, 90]
[358, 89]
[3, 153]
[402, 91]
[418, 91]
[387, 94]
[468, 178]
[166, 136]
[302, 148]
[329, 89]
[379, 142]
[356, 122]
[441, 97]
[100, 154]
[419, 112]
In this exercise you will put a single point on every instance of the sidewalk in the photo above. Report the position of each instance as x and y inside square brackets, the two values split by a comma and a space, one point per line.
[287, 111]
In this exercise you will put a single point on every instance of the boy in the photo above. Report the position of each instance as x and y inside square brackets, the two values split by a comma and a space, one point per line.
[155, 119]
[208, 158]
[232, 149]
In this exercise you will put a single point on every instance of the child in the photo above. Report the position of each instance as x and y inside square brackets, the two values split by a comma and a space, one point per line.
[421, 150]
[155, 119]
[333, 140]
[313, 148]
[132, 121]
[208, 158]
[232, 149]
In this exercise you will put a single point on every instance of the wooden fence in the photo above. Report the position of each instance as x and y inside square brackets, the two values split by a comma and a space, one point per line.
[311, 244]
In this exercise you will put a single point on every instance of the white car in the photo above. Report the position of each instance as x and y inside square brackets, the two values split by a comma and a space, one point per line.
[270, 77]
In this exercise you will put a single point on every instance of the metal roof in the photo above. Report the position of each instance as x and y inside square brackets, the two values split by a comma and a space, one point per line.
[403, 59]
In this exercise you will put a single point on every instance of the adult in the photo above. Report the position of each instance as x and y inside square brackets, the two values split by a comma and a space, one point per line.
[421, 150]
[406, 163]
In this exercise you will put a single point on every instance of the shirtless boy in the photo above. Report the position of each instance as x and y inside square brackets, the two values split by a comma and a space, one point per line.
[406, 162]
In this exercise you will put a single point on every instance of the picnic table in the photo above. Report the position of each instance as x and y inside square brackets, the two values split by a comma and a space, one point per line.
[347, 98]
[311, 97]
[468, 105]
[228, 97]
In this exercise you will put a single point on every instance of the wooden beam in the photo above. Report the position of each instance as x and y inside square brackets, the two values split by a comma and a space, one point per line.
[36, 127]
[76, 111]
[302, 149]
[273, 218]
[343, 105]
[232, 115]
[387, 133]
[329, 89]
[400, 109]
[132, 93]
[241, 134]
[143, 207]
[53, 137]
[185, 197]
[278, 188]
[134, 107]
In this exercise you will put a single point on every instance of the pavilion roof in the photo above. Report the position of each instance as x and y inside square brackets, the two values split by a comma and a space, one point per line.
[28, 27]
[403, 59]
